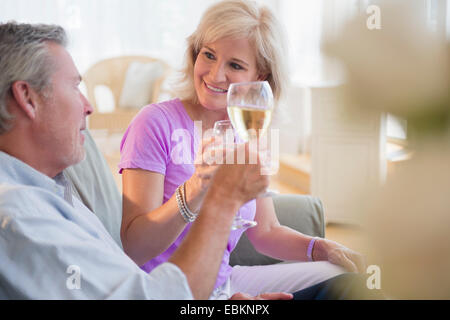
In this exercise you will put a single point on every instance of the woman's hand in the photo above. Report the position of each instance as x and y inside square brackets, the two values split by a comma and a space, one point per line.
[336, 253]
[205, 168]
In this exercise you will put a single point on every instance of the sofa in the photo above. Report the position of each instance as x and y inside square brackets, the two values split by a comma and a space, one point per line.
[93, 183]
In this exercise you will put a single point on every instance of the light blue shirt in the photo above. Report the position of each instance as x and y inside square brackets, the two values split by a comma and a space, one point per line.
[53, 247]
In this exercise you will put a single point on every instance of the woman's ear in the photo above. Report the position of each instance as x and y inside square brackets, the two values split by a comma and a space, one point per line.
[25, 98]
[263, 77]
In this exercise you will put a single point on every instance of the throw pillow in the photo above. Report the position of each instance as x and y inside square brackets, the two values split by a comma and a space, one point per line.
[139, 84]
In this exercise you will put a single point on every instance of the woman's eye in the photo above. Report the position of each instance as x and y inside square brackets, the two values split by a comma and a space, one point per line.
[236, 66]
[209, 55]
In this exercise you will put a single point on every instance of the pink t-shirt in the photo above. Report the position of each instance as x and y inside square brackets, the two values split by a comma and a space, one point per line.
[161, 139]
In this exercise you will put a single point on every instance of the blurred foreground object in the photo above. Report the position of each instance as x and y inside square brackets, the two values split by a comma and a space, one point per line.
[403, 69]
[409, 227]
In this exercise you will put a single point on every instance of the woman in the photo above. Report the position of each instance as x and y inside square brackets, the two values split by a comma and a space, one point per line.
[236, 41]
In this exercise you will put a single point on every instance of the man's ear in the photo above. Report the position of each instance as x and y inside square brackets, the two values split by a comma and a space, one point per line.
[25, 97]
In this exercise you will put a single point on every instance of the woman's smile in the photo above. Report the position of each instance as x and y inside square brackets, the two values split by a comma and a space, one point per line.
[215, 89]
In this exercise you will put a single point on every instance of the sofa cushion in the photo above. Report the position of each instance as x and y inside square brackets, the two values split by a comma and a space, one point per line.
[300, 212]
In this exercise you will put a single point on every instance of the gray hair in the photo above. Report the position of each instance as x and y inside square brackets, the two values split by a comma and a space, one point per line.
[24, 57]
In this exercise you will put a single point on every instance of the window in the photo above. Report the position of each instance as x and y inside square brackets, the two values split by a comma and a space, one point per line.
[105, 28]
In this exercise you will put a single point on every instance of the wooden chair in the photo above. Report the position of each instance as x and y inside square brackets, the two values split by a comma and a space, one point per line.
[111, 73]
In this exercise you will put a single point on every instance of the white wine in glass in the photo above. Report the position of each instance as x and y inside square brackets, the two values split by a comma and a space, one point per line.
[250, 120]
[250, 108]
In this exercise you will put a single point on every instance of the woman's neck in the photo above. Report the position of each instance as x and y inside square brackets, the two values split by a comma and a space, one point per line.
[199, 113]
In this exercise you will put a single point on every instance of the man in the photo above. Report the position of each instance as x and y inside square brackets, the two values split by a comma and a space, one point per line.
[47, 236]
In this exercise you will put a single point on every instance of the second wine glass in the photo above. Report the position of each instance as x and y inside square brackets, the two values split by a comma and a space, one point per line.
[223, 130]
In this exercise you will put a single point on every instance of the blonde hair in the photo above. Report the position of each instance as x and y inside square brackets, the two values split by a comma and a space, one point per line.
[239, 19]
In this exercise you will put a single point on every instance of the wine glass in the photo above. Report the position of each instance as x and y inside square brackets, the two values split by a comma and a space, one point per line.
[250, 108]
[225, 132]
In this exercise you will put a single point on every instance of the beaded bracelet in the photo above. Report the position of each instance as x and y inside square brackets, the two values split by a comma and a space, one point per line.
[180, 195]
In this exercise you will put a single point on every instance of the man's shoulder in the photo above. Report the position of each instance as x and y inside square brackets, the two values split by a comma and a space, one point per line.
[20, 200]
[13, 193]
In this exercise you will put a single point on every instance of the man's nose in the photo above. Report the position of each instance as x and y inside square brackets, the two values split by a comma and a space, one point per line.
[88, 109]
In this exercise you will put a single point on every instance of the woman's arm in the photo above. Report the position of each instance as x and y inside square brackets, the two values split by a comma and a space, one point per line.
[281, 242]
[143, 214]
[272, 239]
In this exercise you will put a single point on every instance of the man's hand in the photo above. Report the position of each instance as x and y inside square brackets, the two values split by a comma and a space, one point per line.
[241, 180]
[262, 296]
[201, 252]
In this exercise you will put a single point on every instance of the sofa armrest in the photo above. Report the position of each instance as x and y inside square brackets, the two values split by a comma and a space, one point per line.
[300, 212]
